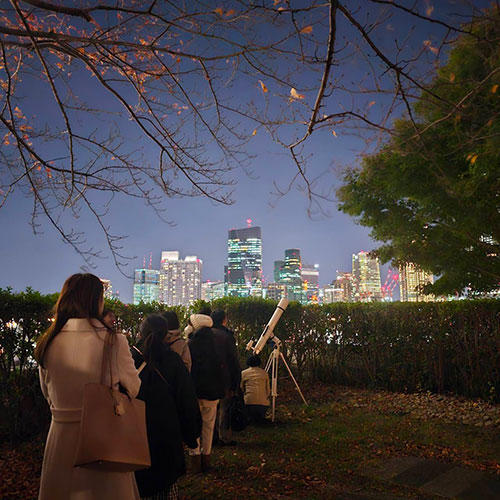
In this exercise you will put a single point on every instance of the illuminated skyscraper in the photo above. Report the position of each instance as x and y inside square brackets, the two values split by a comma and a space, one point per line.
[310, 283]
[275, 291]
[344, 283]
[290, 274]
[244, 262]
[146, 285]
[366, 275]
[411, 278]
[108, 288]
[332, 294]
[180, 280]
[341, 290]
[278, 266]
[211, 290]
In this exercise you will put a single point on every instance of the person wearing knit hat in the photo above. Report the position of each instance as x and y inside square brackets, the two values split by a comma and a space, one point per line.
[200, 321]
[208, 376]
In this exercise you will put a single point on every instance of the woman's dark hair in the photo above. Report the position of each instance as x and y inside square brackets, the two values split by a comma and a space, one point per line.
[254, 360]
[152, 333]
[205, 310]
[218, 317]
[172, 319]
[81, 297]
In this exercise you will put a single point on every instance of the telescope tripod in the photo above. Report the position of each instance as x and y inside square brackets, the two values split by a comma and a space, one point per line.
[272, 367]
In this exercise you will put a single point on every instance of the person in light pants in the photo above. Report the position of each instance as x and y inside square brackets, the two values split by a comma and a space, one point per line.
[208, 410]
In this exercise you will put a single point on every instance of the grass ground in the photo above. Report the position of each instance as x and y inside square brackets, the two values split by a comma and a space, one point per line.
[326, 450]
[321, 451]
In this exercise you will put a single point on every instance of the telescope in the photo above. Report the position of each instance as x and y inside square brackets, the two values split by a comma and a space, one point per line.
[268, 332]
[276, 354]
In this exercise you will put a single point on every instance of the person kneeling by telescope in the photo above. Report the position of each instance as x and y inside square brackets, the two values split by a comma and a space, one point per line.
[256, 390]
[272, 365]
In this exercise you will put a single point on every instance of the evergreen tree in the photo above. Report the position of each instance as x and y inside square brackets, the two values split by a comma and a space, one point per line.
[431, 194]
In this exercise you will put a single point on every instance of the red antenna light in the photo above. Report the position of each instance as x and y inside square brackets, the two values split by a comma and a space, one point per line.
[249, 222]
[151, 260]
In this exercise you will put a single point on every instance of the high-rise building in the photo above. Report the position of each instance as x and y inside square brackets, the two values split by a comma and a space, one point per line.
[180, 280]
[211, 290]
[275, 291]
[366, 274]
[108, 288]
[146, 285]
[278, 266]
[290, 274]
[341, 290]
[244, 262]
[332, 294]
[411, 278]
[344, 287]
[310, 283]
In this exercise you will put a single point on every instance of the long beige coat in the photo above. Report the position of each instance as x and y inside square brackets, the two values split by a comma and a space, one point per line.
[72, 360]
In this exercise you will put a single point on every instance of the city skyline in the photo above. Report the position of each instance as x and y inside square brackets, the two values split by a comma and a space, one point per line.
[198, 225]
[213, 269]
[175, 284]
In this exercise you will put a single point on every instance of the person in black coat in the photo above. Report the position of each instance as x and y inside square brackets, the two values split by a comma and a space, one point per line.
[208, 376]
[226, 348]
[172, 412]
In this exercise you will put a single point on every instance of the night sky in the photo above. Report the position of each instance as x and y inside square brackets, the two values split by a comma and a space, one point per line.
[200, 226]
[44, 261]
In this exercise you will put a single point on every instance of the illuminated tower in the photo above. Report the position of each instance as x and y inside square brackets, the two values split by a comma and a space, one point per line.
[411, 278]
[244, 262]
[344, 283]
[108, 288]
[146, 285]
[180, 280]
[278, 265]
[366, 275]
[310, 283]
[211, 290]
[290, 274]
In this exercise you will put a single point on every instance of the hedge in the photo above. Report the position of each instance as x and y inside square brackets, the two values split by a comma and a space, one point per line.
[446, 347]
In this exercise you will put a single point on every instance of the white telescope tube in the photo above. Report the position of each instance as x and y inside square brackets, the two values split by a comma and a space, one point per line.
[268, 330]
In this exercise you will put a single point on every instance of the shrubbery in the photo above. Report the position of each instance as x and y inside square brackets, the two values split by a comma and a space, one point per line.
[441, 346]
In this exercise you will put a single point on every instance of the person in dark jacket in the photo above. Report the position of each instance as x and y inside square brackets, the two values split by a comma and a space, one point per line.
[172, 412]
[226, 347]
[208, 376]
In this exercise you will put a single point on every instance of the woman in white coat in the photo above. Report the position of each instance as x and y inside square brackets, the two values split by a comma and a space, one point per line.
[70, 355]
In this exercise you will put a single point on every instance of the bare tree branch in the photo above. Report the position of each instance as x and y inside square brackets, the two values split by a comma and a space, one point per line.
[179, 95]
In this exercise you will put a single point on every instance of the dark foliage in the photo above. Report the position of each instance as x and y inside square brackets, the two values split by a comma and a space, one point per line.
[446, 347]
